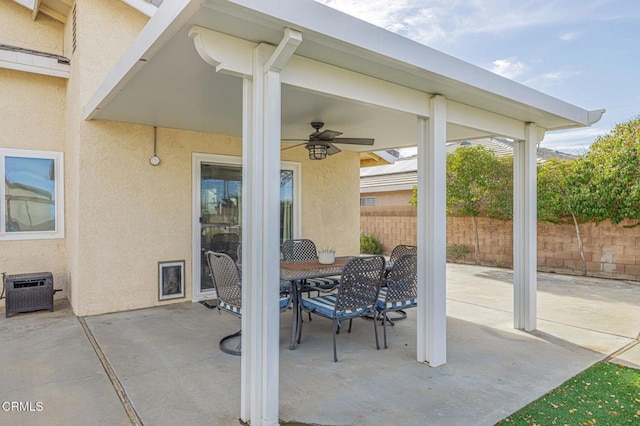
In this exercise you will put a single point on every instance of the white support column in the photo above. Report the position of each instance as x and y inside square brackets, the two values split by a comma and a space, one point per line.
[261, 233]
[250, 272]
[525, 230]
[432, 234]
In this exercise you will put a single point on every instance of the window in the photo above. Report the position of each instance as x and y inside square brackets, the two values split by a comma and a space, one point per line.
[32, 195]
[367, 201]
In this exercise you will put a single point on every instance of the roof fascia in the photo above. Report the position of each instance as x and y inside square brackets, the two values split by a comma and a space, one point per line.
[37, 64]
[143, 7]
[391, 49]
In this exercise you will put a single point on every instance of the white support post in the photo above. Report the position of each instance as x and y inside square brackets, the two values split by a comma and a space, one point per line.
[260, 367]
[432, 234]
[250, 272]
[525, 230]
[261, 122]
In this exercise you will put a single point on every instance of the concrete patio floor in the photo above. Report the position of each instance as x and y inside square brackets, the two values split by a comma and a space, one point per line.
[171, 371]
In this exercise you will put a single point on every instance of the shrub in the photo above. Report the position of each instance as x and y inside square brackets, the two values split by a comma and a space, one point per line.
[457, 252]
[370, 244]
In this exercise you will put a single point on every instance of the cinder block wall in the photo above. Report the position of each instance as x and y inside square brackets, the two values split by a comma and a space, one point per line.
[611, 251]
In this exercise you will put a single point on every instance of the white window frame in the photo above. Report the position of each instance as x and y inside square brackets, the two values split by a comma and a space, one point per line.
[366, 203]
[225, 160]
[58, 158]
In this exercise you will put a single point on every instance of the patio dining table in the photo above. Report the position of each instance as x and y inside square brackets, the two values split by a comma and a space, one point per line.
[297, 273]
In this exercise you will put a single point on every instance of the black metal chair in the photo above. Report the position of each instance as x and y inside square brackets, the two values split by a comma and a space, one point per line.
[357, 296]
[305, 250]
[226, 243]
[401, 249]
[228, 285]
[400, 290]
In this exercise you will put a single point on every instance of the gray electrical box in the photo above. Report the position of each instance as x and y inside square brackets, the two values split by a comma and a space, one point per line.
[29, 292]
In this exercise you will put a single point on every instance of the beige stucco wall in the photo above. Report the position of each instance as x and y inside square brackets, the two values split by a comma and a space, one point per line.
[18, 29]
[32, 111]
[123, 215]
[331, 202]
[134, 215]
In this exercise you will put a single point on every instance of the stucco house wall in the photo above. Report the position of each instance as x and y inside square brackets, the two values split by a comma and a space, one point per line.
[123, 215]
[32, 116]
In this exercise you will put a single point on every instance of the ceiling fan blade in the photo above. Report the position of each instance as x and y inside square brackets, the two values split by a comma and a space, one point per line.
[355, 141]
[332, 149]
[294, 140]
[294, 146]
[327, 135]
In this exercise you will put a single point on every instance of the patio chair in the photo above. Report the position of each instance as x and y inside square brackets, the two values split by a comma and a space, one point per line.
[226, 243]
[399, 250]
[400, 290]
[228, 286]
[356, 296]
[305, 250]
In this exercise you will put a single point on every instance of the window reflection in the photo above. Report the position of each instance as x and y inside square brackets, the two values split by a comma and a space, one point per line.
[30, 194]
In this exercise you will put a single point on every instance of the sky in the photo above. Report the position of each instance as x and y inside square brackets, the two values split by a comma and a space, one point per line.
[585, 52]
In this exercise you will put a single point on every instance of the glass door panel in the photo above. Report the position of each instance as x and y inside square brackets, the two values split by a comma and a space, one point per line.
[218, 212]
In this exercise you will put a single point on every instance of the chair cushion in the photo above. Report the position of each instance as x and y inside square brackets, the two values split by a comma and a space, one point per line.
[231, 308]
[393, 305]
[325, 306]
[284, 304]
[285, 286]
[322, 283]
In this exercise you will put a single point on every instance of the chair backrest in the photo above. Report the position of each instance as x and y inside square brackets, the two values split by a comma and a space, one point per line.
[402, 278]
[239, 254]
[226, 279]
[360, 283]
[226, 243]
[299, 250]
[400, 250]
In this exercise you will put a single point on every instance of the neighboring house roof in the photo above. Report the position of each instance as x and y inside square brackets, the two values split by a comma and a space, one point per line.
[403, 174]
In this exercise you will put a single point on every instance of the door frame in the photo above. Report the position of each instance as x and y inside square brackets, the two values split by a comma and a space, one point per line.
[196, 160]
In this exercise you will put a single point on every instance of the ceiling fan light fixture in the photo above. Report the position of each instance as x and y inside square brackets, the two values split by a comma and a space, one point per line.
[317, 151]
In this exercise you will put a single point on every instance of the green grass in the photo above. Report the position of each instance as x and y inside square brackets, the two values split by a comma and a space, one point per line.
[603, 394]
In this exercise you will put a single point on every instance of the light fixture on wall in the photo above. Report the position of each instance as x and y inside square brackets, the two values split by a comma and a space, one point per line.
[317, 151]
[154, 160]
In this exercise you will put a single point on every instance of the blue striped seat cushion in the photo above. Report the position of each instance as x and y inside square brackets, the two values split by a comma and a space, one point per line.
[227, 307]
[323, 283]
[325, 305]
[284, 303]
[396, 304]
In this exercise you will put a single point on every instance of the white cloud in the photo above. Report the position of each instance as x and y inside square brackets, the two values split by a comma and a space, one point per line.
[442, 22]
[570, 36]
[575, 142]
[545, 80]
[382, 13]
[509, 67]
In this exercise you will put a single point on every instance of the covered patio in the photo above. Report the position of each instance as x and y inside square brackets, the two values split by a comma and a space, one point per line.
[265, 71]
[173, 373]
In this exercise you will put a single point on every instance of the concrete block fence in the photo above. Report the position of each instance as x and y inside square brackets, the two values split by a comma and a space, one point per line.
[611, 251]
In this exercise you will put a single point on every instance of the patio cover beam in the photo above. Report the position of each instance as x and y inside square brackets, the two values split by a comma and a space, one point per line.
[432, 234]
[525, 228]
[233, 57]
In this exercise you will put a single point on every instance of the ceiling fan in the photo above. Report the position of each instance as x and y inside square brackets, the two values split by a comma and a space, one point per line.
[321, 143]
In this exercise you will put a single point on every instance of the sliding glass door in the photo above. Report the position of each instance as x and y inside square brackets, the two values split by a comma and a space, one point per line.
[218, 211]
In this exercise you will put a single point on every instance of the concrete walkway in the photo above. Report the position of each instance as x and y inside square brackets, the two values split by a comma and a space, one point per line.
[167, 362]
